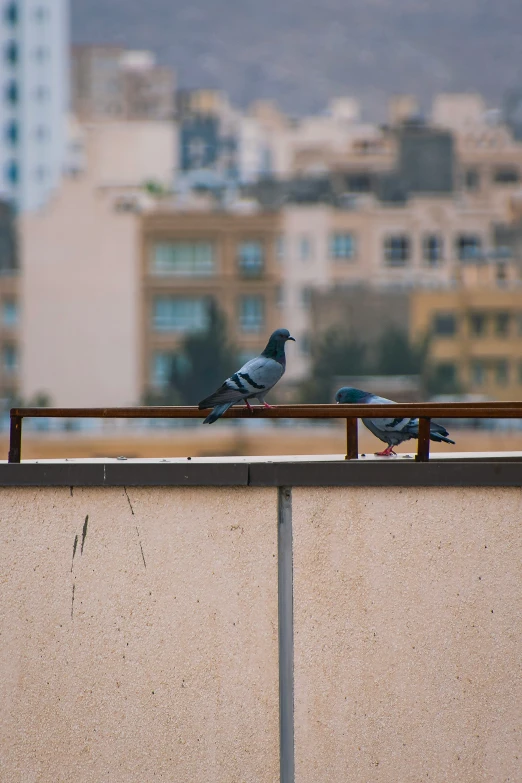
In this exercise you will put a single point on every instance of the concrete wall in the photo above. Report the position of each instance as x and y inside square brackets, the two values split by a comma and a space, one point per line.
[165, 668]
[407, 634]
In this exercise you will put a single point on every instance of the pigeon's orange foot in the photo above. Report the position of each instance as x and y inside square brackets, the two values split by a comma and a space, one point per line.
[389, 452]
[266, 405]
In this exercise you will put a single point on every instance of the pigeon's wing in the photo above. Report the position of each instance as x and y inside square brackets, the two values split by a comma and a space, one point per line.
[255, 377]
[396, 425]
[260, 374]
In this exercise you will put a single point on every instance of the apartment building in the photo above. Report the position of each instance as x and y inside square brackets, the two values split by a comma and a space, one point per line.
[80, 258]
[34, 66]
[474, 330]
[9, 306]
[190, 259]
[420, 244]
[113, 83]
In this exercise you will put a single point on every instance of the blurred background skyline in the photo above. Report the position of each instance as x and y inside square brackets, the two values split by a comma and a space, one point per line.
[302, 53]
[177, 181]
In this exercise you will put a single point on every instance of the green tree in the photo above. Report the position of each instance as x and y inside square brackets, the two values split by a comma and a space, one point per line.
[334, 354]
[206, 359]
[395, 355]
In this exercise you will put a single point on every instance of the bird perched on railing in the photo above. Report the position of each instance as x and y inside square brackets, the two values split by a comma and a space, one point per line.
[390, 431]
[254, 379]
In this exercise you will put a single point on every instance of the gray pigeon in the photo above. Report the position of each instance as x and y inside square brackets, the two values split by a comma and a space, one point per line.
[390, 431]
[254, 379]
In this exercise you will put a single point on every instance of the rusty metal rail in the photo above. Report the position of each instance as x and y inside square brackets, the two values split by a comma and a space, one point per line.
[423, 411]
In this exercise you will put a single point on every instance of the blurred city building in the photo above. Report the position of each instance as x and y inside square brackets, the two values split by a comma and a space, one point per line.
[474, 329]
[9, 306]
[34, 85]
[113, 83]
[193, 259]
[320, 222]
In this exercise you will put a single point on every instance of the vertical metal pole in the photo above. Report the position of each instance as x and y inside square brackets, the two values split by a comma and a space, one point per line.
[15, 439]
[286, 635]
[423, 451]
[352, 445]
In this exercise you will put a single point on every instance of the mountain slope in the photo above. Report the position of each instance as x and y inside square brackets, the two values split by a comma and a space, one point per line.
[302, 52]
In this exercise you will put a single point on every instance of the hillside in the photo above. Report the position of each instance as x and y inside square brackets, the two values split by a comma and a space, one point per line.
[302, 52]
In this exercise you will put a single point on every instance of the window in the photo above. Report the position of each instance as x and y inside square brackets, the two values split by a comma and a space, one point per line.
[11, 132]
[176, 314]
[359, 184]
[162, 366]
[477, 324]
[432, 249]
[501, 272]
[502, 324]
[252, 314]
[306, 297]
[41, 133]
[40, 173]
[40, 14]
[478, 372]
[11, 13]
[183, 259]
[444, 324]
[280, 248]
[11, 93]
[279, 296]
[506, 176]
[9, 312]
[342, 246]
[468, 246]
[11, 52]
[12, 172]
[305, 248]
[501, 372]
[40, 54]
[9, 358]
[472, 179]
[397, 250]
[250, 256]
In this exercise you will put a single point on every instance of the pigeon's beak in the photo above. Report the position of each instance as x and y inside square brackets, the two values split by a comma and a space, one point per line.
[292, 339]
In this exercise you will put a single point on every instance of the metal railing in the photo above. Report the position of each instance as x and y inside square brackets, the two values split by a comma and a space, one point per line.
[423, 411]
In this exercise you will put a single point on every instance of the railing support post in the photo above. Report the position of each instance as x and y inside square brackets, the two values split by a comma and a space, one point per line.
[352, 445]
[423, 451]
[15, 439]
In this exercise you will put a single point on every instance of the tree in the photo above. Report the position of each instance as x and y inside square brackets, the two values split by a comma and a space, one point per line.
[334, 354]
[395, 355]
[206, 359]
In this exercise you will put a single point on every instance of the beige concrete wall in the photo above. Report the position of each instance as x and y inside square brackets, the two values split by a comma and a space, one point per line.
[167, 668]
[407, 607]
[407, 635]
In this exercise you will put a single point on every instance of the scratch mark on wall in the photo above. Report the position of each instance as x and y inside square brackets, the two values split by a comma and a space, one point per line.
[128, 498]
[139, 541]
[72, 601]
[84, 533]
[74, 550]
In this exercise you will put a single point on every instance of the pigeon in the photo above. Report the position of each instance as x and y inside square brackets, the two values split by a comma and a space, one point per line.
[390, 431]
[254, 379]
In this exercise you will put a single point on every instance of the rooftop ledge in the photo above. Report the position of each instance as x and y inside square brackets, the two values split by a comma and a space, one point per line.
[496, 469]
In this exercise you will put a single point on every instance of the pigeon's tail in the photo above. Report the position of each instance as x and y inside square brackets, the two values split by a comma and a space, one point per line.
[440, 438]
[439, 434]
[217, 412]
